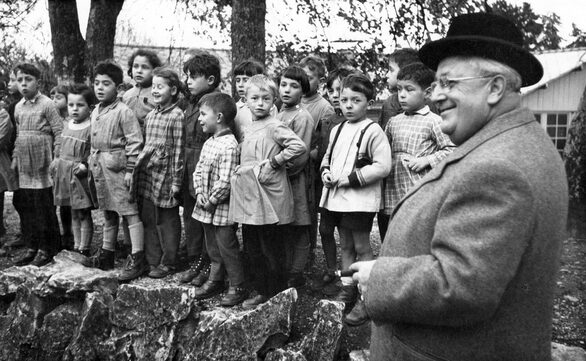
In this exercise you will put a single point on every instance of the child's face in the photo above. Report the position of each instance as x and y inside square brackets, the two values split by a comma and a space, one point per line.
[198, 84]
[392, 74]
[28, 85]
[12, 84]
[241, 81]
[162, 93]
[411, 95]
[353, 104]
[334, 93]
[59, 100]
[105, 88]
[259, 102]
[142, 70]
[77, 107]
[208, 119]
[290, 91]
[313, 78]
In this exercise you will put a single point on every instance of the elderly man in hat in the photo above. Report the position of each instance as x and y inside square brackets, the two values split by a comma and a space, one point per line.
[468, 267]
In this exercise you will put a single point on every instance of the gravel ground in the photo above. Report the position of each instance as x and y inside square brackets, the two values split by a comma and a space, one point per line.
[569, 309]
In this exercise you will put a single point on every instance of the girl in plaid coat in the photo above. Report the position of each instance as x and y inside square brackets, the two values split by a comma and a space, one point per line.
[159, 174]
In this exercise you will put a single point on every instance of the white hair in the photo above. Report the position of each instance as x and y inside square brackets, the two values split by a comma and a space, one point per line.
[493, 67]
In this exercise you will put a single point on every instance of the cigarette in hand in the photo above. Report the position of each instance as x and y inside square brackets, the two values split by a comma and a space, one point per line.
[346, 273]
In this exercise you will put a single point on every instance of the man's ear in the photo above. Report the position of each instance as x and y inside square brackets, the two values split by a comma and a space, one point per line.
[497, 89]
[211, 80]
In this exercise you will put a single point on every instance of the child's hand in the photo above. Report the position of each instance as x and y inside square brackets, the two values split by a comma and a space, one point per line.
[80, 171]
[14, 165]
[209, 207]
[128, 179]
[326, 178]
[344, 182]
[237, 170]
[418, 164]
[200, 201]
[175, 190]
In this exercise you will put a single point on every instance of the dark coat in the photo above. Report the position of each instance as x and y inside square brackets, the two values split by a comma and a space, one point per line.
[468, 267]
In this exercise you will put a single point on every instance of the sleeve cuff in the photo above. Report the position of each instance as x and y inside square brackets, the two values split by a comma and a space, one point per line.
[353, 180]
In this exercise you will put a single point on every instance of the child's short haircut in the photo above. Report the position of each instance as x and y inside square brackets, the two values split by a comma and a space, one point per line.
[60, 89]
[85, 91]
[152, 57]
[404, 57]
[315, 64]
[29, 69]
[172, 79]
[418, 73]
[111, 69]
[221, 103]
[204, 63]
[295, 72]
[360, 83]
[337, 73]
[249, 67]
[263, 82]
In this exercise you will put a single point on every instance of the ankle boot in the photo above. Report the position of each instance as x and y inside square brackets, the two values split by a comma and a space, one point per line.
[135, 267]
[103, 259]
[195, 268]
[358, 315]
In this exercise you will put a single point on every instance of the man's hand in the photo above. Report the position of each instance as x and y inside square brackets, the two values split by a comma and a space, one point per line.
[418, 164]
[362, 274]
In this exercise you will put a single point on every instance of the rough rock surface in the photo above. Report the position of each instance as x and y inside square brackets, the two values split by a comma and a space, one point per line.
[561, 352]
[57, 331]
[360, 355]
[224, 334]
[285, 355]
[324, 342]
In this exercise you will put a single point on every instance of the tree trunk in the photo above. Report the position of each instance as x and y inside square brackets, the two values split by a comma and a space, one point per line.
[575, 154]
[68, 44]
[101, 31]
[248, 30]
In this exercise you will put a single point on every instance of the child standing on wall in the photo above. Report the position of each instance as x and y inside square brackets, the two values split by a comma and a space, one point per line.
[116, 143]
[417, 142]
[73, 186]
[203, 77]
[38, 140]
[357, 160]
[218, 161]
[59, 96]
[261, 199]
[158, 175]
[242, 73]
[320, 110]
[293, 84]
[139, 98]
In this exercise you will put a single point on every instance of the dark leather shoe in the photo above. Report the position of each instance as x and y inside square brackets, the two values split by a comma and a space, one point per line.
[26, 258]
[209, 289]
[347, 294]
[234, 296]
[202, 277]
[103, 259]
[160, 272]
[254, 301]
[358, 315]
[195, 268]
[136, 266]
[41, 259]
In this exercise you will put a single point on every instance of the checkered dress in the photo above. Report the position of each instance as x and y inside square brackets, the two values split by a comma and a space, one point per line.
[415, 135]
[160, 164]
[218, 160]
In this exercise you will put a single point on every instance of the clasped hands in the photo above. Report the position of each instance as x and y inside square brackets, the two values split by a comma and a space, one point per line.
[330, 182]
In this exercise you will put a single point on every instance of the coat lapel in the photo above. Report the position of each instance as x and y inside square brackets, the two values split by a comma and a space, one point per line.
[500, 124]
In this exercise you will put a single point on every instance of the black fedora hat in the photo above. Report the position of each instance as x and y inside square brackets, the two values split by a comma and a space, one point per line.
[487, 36]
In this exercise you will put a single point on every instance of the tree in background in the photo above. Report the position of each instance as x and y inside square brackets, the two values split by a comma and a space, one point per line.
[575, 154]
[579, 38]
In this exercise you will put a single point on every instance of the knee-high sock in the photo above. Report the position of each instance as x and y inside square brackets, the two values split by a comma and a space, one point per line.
[136, 237]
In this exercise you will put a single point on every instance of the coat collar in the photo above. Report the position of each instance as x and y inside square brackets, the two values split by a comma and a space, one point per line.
[513, 119]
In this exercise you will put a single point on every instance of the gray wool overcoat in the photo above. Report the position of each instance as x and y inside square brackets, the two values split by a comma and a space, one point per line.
[468, 267]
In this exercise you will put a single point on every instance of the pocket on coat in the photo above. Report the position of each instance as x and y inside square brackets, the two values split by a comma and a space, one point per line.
[114, 161]
[267, 175]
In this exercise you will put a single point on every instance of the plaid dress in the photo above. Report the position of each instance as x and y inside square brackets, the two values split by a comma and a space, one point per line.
[414, 135]
[38, 140]
[217, 162]
[160, 164]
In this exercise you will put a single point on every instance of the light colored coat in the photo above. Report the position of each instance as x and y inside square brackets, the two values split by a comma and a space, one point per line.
[467, 270]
